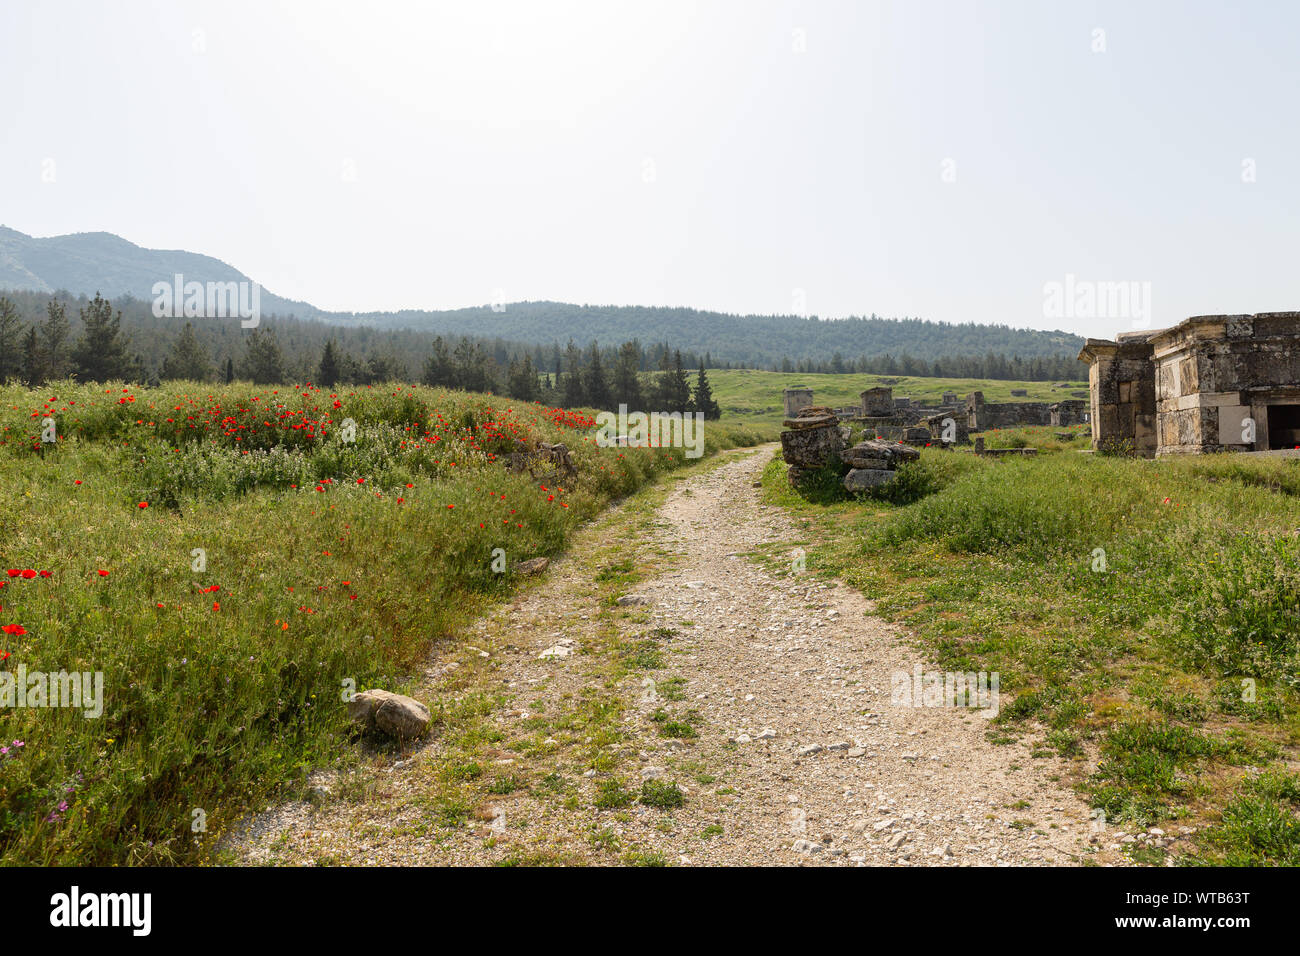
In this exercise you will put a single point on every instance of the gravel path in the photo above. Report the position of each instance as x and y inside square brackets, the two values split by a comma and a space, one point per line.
[764, 697]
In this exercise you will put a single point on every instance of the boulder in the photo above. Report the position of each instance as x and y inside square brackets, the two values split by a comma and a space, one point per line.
[811, 448]
[858, 461]
[531, 566]
[394, 714]
[879, 448]
[812, 421]
[861, 479]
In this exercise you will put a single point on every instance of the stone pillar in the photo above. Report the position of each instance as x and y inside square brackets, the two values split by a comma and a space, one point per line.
[796, 400]
[878, 403]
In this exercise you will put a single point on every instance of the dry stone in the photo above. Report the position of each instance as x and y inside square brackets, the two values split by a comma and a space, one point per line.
[394, 714]
[811, 448]
[861, 479]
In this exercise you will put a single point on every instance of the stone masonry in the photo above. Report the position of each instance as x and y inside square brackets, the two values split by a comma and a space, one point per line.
[1210, 383]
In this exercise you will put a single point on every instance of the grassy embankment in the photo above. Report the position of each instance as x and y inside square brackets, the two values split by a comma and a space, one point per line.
[1146, 612]
[229, 562]
[755, 396]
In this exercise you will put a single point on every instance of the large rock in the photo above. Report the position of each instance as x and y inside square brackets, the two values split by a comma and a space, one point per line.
[811, 448]
[820, 420]
[874, 450]
[531, 566]
[394, 714]
[858, 461]
[861, 479]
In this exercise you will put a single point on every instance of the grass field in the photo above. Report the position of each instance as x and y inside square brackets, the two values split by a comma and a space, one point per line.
[1147, 613]
[231, 564]
[749, 395]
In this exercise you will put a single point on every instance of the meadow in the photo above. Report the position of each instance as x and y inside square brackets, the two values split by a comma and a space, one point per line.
[750, 395]
[233, 559]
[1142, 613]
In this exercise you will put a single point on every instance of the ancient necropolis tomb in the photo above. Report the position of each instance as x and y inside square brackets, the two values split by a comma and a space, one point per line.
[1210, 383]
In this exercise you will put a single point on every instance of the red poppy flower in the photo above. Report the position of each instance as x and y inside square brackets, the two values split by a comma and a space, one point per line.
[45, 574]
[216, 606]
[13, 572]
[144, 504]
[103, 573]
[29, 574]
[15, 629]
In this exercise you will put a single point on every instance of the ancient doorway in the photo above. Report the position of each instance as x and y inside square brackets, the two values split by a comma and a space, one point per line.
[1284, 426]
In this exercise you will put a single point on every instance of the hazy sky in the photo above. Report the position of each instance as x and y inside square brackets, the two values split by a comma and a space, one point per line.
[942, 160]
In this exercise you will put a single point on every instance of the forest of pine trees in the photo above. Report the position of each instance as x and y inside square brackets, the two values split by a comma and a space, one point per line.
[42, 339]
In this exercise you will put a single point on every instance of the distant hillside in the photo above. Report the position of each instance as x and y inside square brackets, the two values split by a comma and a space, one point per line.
[90, 262]
[86, 263]
[753, 340]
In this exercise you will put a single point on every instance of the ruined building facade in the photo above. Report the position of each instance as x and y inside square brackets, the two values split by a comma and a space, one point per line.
[1210, 383]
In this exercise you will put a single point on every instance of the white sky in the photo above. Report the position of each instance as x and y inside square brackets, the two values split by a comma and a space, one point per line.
[505, 146]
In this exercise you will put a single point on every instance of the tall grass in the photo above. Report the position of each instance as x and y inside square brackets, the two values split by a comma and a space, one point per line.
[1152, 605]
[324, 561]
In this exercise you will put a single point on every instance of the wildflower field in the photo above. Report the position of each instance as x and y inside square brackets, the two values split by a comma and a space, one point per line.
[231, 559]
[1144, 614]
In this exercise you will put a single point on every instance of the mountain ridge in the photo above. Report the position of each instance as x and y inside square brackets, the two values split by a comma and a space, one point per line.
[90, 262]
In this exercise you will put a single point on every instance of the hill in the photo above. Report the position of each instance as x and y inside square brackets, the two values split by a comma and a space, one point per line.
[86, 263]
[90, 262]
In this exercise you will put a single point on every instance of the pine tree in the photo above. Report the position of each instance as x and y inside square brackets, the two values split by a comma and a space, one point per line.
[627, 380]
[327, 374]
[522, 380]
[674, 388]
[33, 358]
[11, 363]
[703, 399]
[575, 395]
[54, 362]
[101, 352]
[188, 359]
[263, 362]
[597, 386]
[437, 367]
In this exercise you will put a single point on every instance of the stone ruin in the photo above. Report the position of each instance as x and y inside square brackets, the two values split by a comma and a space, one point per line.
[796, 400]
[881, 415]
[982, 415]
[1072, 411]
[543, 461]
[1211, 383]
[814, 440]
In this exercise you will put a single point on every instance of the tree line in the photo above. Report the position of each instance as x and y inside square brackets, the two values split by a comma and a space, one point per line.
[48, 349]
[47, 338]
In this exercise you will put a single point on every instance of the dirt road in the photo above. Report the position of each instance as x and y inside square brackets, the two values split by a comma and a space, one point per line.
[657, 650]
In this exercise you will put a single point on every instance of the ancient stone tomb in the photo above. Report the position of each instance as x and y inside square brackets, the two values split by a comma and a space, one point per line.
[1210, 383]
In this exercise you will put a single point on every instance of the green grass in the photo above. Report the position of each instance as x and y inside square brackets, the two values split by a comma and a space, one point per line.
[275, 567]
[752, 395]
[663, 796]
[1145, 611]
